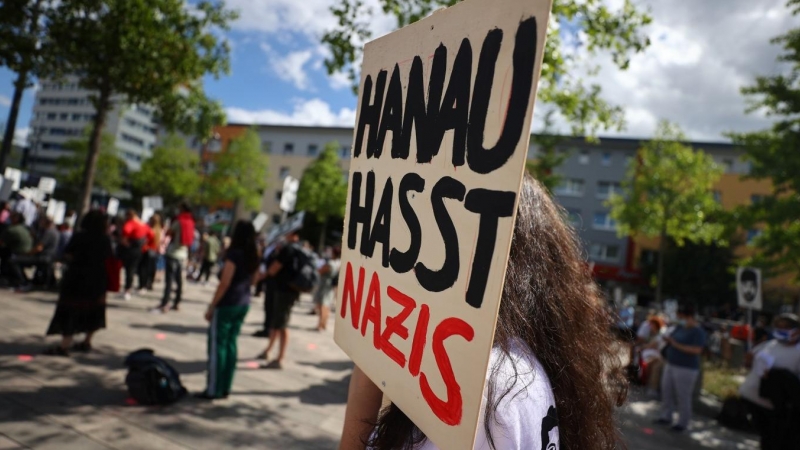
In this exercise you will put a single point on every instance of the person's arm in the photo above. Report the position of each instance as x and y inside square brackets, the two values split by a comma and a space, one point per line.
[274, 268]
[684, 348]
[363, 405]
[224, 282]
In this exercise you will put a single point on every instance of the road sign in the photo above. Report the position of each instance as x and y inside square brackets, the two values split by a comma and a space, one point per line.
[748, 287]
[440, 143]
[289, 194]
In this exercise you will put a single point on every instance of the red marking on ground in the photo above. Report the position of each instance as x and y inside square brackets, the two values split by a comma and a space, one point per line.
[161, 336]
[252, 365]
[648, 431]
[131, 402]
[312, 346]
[25, 358]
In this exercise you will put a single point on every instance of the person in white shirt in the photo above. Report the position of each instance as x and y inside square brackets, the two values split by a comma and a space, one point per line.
[554, 372]
[783, 352]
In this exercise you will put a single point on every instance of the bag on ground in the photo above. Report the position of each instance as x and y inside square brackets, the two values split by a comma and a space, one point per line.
[304, 274]
[151, 380]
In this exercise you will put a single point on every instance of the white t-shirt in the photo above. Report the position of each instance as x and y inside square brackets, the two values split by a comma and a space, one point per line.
[766, 356]
[527, 414]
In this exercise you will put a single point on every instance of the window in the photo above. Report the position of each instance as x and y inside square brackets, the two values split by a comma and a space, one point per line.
[574, 217]
[132, 140]
[756, 199]
[728, 165]
[603, 221]
[606, 161]
[266, 147]
[604, 252]
[570, 186]
[606, 189]
[752, 235]
[583, 158]
[284, 172]
[77, 117]
[288, 148]
[63, 116]
[344, 151]
[313, 149]
[278, 196]
[52, 116]
[717, 196]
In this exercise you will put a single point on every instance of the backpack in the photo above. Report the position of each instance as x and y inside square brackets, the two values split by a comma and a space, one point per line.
[151, 380]
[304, 276]
[734, 414]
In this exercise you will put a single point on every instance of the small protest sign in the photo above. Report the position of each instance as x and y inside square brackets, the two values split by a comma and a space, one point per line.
[748, 287]
[289, 225]
[440, 144]
[260, 221]
[113, 207]
[47, 185]
[289, 194]
[14, 175]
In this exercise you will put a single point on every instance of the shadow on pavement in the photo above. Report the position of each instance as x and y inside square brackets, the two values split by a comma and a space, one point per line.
[171, 328]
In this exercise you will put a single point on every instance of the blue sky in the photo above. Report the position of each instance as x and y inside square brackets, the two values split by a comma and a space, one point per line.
[691, 74]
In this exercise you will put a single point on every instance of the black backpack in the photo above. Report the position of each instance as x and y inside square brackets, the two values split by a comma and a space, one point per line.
[304, 275]
[151, 380]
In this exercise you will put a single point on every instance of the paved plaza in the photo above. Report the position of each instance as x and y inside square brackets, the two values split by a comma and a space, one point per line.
[81, 402]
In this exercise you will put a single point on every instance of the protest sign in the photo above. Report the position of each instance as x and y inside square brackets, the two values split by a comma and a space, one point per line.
[47, 185]
[113, 207]
[294, 223]
[260, 221]
[60, 213]
[440, 143]
[748, 287]
[289, 194]
[14, 175]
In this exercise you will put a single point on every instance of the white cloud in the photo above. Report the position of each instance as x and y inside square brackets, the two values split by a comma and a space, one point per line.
[305, 112]
[339, 80]
[21, 136]
[4, 101]
[290, 67]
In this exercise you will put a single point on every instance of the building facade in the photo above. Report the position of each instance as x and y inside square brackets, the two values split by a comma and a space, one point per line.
[63, 112]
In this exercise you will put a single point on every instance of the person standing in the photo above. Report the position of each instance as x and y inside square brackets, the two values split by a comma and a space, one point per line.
[81, 306]
[285, 296]
[211, 246]
[780, 353]
[181, 236]
[684, 347]
[148, 260]
[42, 257]
[132, 239]
[228, 309]
[27, 208]
[15, 241]
[326, 292]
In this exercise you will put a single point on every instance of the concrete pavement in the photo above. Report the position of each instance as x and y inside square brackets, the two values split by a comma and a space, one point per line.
[81, 402]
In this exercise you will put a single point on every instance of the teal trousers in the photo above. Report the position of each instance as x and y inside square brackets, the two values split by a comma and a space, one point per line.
[222, 351]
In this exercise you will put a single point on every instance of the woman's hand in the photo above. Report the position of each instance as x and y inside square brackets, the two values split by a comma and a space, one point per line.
[209, 313]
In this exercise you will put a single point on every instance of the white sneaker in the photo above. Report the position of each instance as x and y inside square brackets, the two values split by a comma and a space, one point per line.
[127, 296]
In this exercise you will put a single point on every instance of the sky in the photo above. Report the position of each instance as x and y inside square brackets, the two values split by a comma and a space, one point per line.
[702, 53]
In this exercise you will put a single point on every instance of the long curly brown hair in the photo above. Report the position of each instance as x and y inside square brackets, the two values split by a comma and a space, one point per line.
[552, 304]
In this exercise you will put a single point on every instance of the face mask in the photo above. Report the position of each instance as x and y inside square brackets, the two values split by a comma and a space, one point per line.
[784, 335]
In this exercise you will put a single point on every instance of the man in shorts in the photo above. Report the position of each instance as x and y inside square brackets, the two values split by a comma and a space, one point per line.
[282, 269]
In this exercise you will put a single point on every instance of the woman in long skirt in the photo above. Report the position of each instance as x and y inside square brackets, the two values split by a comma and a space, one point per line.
[81, 306]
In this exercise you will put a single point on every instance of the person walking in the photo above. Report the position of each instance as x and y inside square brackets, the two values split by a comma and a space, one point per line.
[228, 309]
[154, 253]
[284, 297]
[326, 292]
[210, 250]
[81, 306]
[684, 347]
[780, 353]
[132, 239]
[181, 236]
[554, 374]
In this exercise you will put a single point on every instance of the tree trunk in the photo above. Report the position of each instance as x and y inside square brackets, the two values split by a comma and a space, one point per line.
[11, 124]
[322, 236]
[103, 106]
[662, 249]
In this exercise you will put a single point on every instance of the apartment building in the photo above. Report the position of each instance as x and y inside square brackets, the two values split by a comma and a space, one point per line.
[63, 112]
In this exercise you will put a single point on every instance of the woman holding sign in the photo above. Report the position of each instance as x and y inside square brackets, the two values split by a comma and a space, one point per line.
[545, 386]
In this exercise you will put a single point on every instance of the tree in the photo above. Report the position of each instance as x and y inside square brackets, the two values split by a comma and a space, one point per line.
[589, 22]
[172, 172]
[323, 189]
[774, 155]
[239, 173]
[21, 31]
[111, 169]
[548, 159]
[668, 193]
[154, 52]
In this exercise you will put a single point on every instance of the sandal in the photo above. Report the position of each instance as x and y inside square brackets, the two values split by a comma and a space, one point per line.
[55, 350]
[275, 364]
[83, 347]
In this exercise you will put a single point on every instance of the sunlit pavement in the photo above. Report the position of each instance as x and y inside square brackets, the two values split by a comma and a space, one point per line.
[81, 402]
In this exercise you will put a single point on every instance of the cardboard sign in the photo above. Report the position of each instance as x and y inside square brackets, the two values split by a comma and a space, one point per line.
[260, 221]
[748, 287]
[289, 194]
[440, 143]
[47, 185]
[113, 207]
[60, 212]
[15, 175]
[293, 223]
[155, 203]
